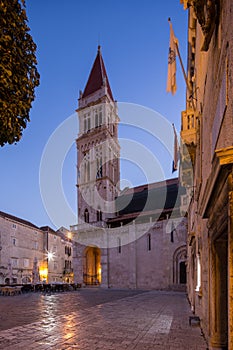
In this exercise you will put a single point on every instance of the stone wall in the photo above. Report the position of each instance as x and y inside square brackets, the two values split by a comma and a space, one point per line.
[138, 255]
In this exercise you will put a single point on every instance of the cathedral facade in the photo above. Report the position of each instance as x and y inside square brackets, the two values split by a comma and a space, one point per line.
[135, 238]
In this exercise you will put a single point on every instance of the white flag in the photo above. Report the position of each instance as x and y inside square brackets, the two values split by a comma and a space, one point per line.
[171, 74]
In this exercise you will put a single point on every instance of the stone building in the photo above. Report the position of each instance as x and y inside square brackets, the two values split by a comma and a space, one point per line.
[29, 254]
[207, 132]
[130, 239]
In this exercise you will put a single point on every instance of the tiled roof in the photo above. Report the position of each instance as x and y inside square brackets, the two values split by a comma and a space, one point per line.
[15, 218]
[161, 195]
[98, 77]
[47, 229]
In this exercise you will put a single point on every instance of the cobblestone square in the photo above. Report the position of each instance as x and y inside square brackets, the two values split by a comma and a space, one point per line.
[95, 318]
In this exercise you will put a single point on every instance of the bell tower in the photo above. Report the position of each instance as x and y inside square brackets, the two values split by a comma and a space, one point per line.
[98, 148]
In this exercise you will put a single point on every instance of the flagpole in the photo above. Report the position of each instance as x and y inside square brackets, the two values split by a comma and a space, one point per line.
[182, 67]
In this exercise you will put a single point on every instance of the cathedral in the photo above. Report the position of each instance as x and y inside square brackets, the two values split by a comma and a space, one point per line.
[130, 238]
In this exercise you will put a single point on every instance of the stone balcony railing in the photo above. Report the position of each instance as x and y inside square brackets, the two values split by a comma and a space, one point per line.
[87, 226]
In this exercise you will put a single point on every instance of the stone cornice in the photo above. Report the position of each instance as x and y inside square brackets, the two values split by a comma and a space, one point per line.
[225, 155]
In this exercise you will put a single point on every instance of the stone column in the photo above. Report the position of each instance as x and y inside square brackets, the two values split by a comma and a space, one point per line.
[230, 263]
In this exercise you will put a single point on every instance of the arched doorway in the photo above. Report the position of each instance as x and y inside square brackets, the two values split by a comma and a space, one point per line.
[179, 265]
[182, 275]
[92, 266]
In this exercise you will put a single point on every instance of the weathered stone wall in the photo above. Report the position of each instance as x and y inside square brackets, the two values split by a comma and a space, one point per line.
[22, 244]
[131, 261]
[208, 227]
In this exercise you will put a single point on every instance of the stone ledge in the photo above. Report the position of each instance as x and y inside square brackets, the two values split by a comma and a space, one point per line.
[225, 155]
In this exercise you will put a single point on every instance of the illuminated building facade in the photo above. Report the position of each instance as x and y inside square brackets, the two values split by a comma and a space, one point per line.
[130, 239]
[207, 132]
[29, 254]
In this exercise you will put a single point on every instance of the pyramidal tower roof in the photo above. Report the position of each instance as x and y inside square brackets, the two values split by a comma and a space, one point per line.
[98, 77]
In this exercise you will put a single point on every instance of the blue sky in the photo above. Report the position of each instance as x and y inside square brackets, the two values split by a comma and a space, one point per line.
[134, 36]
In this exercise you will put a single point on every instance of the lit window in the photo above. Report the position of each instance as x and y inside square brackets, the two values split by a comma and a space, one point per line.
[198, 287]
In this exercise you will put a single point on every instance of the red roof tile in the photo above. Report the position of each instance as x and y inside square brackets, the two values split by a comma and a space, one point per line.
[97, 77]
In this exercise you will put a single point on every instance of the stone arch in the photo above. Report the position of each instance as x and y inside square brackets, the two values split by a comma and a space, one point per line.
[179, 265]
[26, 280]
[92, 265]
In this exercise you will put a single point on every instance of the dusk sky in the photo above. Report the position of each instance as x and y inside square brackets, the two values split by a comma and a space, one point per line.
[134, 37]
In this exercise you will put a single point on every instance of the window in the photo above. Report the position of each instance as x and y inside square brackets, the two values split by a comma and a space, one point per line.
[54, 237]
[55, 265]
[54, 248]
[35, 245]
[198, 287]
[99, 168]
[87, 122]
[119, 245]
[25, 262]
[190, 121]
[86, 168]
[99, 214]
[14, 262]
[149, 242]
[14, 241]
[14, 226]
[99, 162]
[86, 216]
[98, 117]
[96, 120]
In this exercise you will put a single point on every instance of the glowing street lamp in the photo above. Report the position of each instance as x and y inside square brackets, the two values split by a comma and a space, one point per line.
[50, 256]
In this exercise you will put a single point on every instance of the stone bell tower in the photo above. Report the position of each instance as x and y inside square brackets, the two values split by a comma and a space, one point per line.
[98, 148]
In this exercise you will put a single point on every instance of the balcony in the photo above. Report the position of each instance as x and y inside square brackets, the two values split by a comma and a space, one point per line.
[84, 226]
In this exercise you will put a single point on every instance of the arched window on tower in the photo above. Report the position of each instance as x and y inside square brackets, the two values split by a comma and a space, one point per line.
[86, 215]
[99, 214]
[87, 122]
[87, 171]
[98, 117]
[99, 167]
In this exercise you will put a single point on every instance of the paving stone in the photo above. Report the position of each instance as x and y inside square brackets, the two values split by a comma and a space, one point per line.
[98, 319]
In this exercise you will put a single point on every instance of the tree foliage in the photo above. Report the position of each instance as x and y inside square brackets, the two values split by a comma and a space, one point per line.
[18, 72]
